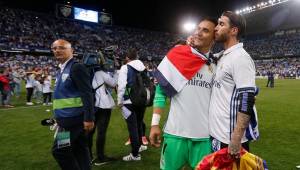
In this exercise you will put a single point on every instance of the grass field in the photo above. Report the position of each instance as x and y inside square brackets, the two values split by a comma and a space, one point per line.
[25, 144]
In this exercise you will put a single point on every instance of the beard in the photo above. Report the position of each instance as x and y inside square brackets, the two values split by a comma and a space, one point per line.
[221, 38]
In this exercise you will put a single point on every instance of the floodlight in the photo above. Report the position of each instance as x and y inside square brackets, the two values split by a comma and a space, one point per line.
[189, 26]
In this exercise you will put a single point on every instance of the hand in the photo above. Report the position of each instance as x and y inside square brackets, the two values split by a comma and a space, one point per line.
[155, 136]
[190, 40]
[120, 105]
[234, 148]
[88, 126]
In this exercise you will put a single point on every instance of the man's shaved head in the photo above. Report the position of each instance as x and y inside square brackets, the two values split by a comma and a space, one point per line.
[62, 50]
[62, 41]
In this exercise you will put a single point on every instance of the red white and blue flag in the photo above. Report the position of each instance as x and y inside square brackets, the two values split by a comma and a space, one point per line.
[178, 67]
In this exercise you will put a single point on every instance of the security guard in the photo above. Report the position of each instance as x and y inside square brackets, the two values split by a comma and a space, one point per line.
[73, 108]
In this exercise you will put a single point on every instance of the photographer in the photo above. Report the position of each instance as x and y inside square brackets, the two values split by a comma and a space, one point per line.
[104, 104]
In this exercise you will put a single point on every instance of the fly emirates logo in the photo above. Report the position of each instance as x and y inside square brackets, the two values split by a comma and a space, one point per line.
[199, 81]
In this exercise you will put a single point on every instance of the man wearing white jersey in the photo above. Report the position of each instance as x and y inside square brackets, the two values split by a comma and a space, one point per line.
[232, 115]
[186, 135]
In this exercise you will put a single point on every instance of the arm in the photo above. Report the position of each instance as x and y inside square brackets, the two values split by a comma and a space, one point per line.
[122, 81]
[238, 133]
[110, 81]
[81, 78]
[244, 78]
[159, 104]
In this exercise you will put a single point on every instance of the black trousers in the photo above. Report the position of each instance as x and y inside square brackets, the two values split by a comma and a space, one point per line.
[144, 128]
[270, 82]
[102, 118]
[76, 156]
[47, 97]
[29, 94]
[135, 127]
[3, 97]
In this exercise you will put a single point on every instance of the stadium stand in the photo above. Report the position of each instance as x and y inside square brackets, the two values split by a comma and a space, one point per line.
[33, 33]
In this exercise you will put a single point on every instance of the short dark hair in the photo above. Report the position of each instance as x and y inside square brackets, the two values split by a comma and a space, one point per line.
[238, 21]
[132, 54]
[210, 19]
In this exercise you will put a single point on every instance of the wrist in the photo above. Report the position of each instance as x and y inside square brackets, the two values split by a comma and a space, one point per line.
[236, 137]
[155, 119]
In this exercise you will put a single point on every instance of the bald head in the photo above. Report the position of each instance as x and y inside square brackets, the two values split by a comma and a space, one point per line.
[62, 50]
[62, 42]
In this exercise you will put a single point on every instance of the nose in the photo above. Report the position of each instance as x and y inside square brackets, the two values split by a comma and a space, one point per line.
[198, 33]
[216, 28]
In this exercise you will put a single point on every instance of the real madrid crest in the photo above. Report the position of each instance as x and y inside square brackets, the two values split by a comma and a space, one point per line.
[65, 10]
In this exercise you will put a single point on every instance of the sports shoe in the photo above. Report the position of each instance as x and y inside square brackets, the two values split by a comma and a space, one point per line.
[130, 157]
[128, 142]
[105, 160]
[44, 104]
[29, 103]
[145, 140]
[143, 148]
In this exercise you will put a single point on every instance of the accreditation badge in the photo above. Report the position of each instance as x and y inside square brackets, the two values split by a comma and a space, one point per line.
[63, 139]
[64, 77]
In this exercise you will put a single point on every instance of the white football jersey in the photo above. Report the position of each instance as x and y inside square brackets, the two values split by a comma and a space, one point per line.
[188, 115]
[235, 73]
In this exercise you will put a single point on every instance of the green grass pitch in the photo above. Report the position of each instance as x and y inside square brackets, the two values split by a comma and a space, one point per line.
[25, 144]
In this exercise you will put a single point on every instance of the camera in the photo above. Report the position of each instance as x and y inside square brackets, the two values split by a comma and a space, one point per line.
[48, 122]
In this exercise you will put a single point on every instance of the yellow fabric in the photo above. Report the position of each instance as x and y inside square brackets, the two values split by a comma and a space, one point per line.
[251, 162]
[220, 161]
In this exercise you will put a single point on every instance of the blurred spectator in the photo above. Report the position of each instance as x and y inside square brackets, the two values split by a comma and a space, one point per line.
[17, 75]
[5, 88]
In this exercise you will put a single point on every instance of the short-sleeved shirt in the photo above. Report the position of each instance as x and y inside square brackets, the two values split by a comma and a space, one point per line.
[188, 115]
[235, 73]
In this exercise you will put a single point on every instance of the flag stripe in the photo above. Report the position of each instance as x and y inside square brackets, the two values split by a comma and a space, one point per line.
[186, 60]
[171, 75]
[164, 84]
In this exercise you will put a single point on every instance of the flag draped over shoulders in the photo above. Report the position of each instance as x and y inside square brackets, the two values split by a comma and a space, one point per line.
[179, 66]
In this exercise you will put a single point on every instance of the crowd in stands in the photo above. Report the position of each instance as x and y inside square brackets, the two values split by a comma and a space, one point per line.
[35, 31]
[283, 68]
[28, 30]
[278, 44]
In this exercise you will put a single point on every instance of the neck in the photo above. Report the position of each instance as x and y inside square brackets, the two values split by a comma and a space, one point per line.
[63, 61]
[204, 50]
[231, 42]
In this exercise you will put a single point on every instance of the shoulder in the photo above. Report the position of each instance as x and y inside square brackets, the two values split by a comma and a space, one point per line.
[78, 66]
[124, 68]
[101, 74]
[241, 56]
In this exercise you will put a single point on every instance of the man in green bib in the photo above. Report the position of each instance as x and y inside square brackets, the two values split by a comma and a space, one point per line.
[73, 108]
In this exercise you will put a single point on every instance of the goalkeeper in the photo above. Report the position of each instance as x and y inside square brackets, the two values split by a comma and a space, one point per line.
[188, 84]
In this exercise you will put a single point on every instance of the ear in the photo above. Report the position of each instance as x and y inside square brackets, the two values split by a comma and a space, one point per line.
[234, 31]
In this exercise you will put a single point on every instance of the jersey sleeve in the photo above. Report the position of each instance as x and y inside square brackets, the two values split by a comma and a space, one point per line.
[244, 72]
[159, 98]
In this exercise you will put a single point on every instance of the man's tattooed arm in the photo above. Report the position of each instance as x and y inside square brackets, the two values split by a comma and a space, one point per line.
[238, 133]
